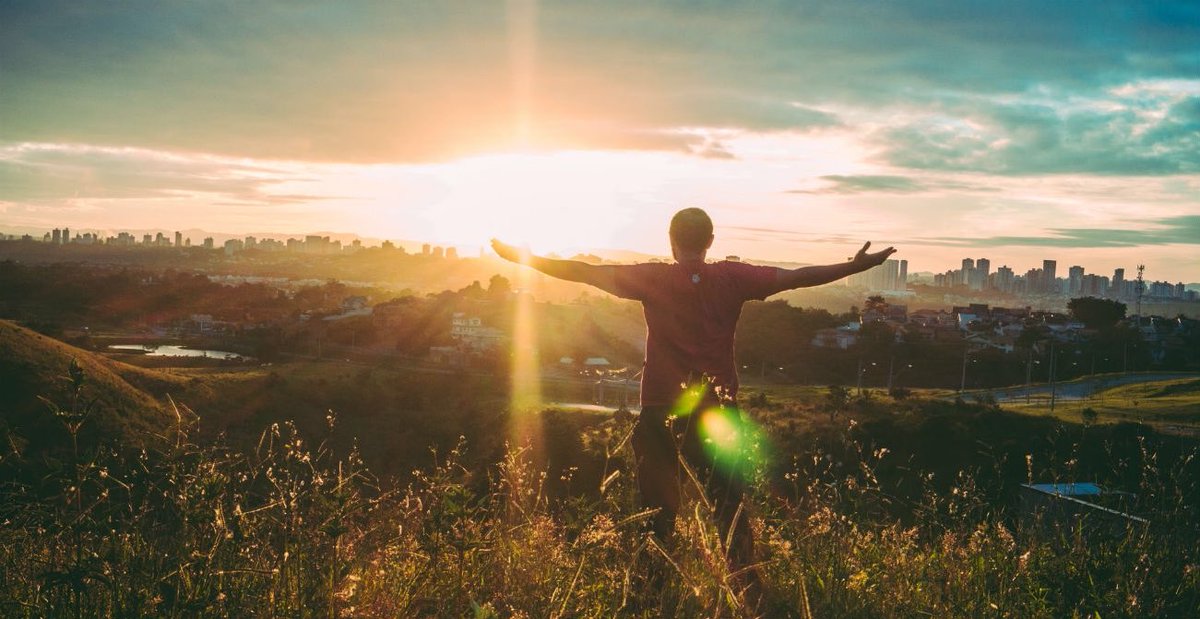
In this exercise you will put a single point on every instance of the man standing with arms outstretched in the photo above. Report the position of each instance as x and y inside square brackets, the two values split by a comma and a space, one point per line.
[691, 309]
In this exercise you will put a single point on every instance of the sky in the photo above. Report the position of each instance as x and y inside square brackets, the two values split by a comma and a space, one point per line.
[1016, 131]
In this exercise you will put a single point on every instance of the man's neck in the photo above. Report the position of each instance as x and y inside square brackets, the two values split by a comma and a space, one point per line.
[690, 257]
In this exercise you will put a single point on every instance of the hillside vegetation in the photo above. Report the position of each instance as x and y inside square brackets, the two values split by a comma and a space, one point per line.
[1173, 405]
[126, 398]
[371, 505]
[846, 527]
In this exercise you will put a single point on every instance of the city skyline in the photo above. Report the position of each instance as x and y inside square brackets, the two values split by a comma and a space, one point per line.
[803, 128]
[893, 274]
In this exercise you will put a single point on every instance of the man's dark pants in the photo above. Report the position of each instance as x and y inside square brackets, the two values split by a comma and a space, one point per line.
[658, 442]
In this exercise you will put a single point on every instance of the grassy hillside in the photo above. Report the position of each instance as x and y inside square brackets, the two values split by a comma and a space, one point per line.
[126, 401]
[393, 416]
[856, 527]
[1172, 405]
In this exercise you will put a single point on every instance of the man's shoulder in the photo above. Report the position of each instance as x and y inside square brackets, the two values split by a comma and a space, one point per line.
[647, 268]
[739, 267]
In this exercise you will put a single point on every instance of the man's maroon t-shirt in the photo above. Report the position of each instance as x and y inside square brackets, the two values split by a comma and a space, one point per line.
[691, 313]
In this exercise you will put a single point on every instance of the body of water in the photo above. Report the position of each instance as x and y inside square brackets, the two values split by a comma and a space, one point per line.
[170, 350]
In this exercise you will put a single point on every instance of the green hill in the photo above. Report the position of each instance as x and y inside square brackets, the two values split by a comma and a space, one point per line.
[34, 366]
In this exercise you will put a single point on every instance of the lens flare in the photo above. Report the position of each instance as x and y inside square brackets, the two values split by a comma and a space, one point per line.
[689, 401]
[731, 441]
[719, 431]
[526, 396]
[526, 391]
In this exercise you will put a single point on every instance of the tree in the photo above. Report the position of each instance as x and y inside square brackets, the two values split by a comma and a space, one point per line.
[499, 287]
[876, 304]
[1096, 313]
[836, 400]
[876, 338]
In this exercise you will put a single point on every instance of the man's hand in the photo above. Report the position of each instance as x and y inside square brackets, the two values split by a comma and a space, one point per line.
[602, 277]
[865, 261]
[511, 253]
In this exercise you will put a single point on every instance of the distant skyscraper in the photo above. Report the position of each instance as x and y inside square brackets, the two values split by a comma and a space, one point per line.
[882, 278]
[425, 249]
[903, 284]
[178, 239]
[1118, 283]
[56, 236]
[985, 266]
[1004, 279]
[1075, 280]
[964, 275]
[66, 238]
[1049, 276]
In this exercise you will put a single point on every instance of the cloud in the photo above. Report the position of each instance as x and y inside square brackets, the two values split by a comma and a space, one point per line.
[885, 183]
[1183, 230]
[761, 233]
[1117, 135]
[407, 81]
[55, 172]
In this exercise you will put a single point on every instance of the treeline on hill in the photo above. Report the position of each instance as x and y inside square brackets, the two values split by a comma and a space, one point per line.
[774, 338]
[264, 322]
[374, 264]
[57, 296]
[774, 344]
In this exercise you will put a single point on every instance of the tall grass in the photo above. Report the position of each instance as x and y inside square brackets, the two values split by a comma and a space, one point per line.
[291, 529]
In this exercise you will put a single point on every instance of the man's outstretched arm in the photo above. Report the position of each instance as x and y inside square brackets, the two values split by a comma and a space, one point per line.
[602, 277]
[804, 277]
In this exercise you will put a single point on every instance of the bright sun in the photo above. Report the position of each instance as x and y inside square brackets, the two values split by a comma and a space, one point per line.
[552, 202]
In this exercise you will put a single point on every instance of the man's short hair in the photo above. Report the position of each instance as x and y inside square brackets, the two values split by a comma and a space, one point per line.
[691, 229]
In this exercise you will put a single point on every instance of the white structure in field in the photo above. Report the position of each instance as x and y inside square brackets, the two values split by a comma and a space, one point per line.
[472, 333]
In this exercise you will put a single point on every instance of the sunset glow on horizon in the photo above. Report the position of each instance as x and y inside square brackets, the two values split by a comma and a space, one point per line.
[570, 128]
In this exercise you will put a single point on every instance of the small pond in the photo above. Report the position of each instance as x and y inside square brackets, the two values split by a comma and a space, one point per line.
[171, 350]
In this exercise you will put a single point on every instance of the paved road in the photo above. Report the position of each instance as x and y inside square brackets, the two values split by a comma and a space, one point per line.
[1077, 390]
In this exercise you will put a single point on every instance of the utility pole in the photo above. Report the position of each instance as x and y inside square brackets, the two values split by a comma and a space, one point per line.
[962, 385]
[1141, 288]
[1053, 385]
[1029, 375]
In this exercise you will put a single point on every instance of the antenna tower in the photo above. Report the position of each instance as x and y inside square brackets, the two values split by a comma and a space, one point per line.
[1141, 287]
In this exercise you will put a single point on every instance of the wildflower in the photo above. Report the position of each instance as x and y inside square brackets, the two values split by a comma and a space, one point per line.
[857, 581]
[599, 532]
[1005, 537]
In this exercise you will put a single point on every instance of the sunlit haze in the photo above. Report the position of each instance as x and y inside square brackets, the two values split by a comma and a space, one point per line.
[1020, 134]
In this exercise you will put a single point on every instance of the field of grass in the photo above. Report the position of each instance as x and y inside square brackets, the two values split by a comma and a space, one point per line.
[1168, 404]
[292, 529]
[326, 489]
